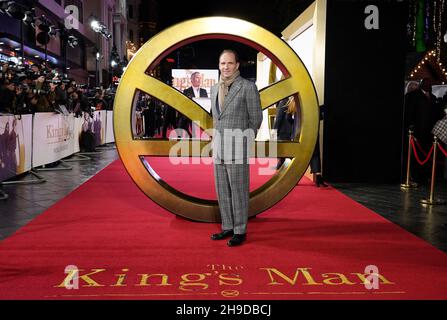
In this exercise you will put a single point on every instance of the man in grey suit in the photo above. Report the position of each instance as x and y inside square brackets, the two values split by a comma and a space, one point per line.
[237, 115]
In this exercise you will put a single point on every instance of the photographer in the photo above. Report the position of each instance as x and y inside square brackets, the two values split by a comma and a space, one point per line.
[43, 103]
[100, 103]
[7, 97]
[61, 94]
[22, 103]
[79, 103]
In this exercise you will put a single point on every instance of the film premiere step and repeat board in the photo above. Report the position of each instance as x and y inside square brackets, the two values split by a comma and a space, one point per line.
[31, 141]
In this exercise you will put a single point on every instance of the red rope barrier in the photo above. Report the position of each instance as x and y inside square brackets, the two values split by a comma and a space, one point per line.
[442, 149]
[419, 146]
[417, 156]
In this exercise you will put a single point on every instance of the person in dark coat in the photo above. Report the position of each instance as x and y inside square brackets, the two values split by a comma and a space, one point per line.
[420, 115]
[169, 119]
[285, 122]
[287, 125]
[7, 97]
[422, 112]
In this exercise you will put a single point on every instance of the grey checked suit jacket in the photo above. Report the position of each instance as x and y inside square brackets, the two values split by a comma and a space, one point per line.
[241, 110]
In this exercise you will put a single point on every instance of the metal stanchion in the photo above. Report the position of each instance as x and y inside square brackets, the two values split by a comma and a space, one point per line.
[89, 152]
[79, 157]
[39, 179]
[431, 200]
[63, 166]
[409, 184]
[106, 146]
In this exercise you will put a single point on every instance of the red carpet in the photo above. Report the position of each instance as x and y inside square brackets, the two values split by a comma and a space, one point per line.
[315, 244]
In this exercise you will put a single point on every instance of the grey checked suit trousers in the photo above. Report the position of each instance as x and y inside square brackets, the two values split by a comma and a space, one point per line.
[232, 186]
[241, 110]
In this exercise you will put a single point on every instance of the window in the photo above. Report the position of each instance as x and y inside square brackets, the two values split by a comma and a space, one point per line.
[130, 11]
[131, 35]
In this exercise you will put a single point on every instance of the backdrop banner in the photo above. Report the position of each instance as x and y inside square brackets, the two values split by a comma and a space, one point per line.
[110, 137]
[99, 127]
[15, 145]
[53, 137]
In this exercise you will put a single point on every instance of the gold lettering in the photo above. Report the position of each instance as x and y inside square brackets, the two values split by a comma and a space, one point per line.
[339, 277]
[145, 277]
[86, 277]
[233, 281]
[120, 280]
[213, 266]
[363, 279]
[187, 281]
[306, 274]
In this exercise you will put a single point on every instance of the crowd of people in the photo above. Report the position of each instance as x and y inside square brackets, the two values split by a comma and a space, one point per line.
[26, 89]
[155, 118]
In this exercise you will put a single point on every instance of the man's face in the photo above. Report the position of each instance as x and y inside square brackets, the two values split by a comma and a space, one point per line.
[11, 86]
[227, 64]
[426, 85]
[196, 79]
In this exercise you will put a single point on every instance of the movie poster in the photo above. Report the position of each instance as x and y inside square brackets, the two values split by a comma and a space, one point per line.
[54, 136]
[15, 145]
[202, 79]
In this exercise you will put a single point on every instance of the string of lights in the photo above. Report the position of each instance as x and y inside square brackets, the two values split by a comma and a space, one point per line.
[432, 57]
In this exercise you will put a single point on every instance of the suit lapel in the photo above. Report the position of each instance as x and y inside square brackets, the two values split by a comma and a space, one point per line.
[231, 94]
[214, 100]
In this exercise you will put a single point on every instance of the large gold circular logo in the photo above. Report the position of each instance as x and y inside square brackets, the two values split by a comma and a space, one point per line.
[133, 150]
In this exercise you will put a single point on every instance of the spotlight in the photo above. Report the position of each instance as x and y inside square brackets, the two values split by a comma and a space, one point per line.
[14, 10]
[29, 18]
[113, 63]
[100, 28]
[72, 41]
[3, 6]
[95, 25]
[53, 31]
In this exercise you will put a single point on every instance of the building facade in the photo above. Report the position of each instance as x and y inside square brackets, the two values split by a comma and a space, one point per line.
[60, 32]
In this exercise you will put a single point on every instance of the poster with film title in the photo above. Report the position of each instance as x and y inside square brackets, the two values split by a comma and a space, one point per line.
[53, 137]
[15, 145]
[208, 78]
[99, 127]
[109, 130]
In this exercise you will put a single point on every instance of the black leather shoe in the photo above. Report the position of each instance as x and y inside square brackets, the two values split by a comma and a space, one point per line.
[223, 235]
[319, 182]
[237, 240]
